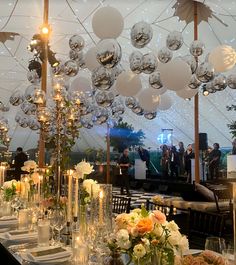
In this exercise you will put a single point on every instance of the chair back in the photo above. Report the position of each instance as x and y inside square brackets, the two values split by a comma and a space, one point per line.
[120, 204]
[167, 210]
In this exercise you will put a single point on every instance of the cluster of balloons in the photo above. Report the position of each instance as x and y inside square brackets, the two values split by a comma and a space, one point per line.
[4, 128]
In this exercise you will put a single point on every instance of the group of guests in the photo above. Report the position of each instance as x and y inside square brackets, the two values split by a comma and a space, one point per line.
[176, 162]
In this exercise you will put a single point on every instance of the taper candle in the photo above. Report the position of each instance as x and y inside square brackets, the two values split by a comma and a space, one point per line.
[76, 196]
[69, 195]
[101, 217]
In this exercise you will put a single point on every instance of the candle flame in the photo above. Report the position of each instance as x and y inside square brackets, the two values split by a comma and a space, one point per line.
[101, 195]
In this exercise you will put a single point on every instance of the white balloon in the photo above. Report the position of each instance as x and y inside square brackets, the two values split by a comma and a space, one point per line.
[148, 99]
[187, 93]
[222, 58]
[128, 84]
[107, 23]
[175, 75]
[165, 102]
[90, 59]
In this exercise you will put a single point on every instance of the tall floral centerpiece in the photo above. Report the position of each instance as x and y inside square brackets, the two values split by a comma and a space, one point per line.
[147, 237]
[28, 181]
[83, 190]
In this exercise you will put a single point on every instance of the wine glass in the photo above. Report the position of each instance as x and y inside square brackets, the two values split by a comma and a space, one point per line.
[52, 217]
[215, 244]
[60, 223]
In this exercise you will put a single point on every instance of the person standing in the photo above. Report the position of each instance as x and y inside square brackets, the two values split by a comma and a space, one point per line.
[214, 162]
[174, 163]
[188, 155]
[165, 161]
[20, 159]
[124, 163]
[144, 156]
[234, 147]
[181, 158]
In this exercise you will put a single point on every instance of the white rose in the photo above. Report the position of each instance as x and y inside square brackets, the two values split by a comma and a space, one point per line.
[83, 168]
[88, 184]
[146, 243]
[172, 226]
[29, 165]
[8, 184]
[183, 244]
[122, 235]
[124, 244]
[139, 251]
[158, 230]
[174, 238]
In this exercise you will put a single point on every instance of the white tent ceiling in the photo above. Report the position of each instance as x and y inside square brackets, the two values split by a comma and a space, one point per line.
[68, 17]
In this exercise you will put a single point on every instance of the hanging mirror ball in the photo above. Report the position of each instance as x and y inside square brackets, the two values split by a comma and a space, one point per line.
[117, 70]
[29, 93]
[191, 61]
[104, 99]
[118, 107]
[80, 60]
[219, 82]
[58, 70]
[28, 108]
[197, 48]
[135, 62]
[231, 81]
[130, 102]
[100, 116]
[210, 87]
[76, 43]
[73, 54]
[34, 125]
[155, 80]
[205, 72]
[141, 34]
[23, 122]
[174, 40]
[164, 55]
[71, 68]
[102, 78]
[150, 115]
[108, 53]
[194, 82]
[16, 98]
[86, 122]
[137, 110]
[33, 77]
[149, 63]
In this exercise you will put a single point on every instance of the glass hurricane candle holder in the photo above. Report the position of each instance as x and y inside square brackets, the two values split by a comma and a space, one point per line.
[43, 233]
[79, 249]
[23, 219]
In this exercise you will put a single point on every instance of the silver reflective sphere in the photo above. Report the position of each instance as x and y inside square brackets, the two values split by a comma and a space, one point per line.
[194, 82]
[34, 125]
[100, 115]
[33, 77]
[130, 102]
[104, 99]
[76, 42]
[231, 81]
[205, 72]
[71, 68]
[141, 34]
[219, 82]
[29, 93]
[149, 63]
[28, 108]
[191, 61]
[155, 80]
[210, 87]
[73, 54]
[102, 78]
[150, 115]
[16, 98]
[164, 55]
[117, 70]
[117, 107]
[80, 60]
[197, 48]
[23, 122]
[137, 110]
[108, 53]
[174, 40]
[86, 122]
[135, 62]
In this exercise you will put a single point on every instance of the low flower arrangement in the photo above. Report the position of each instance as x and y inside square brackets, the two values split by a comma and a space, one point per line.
[205, 258]
[82, 170]
[147, 237]
[10, 189]
[51, 202]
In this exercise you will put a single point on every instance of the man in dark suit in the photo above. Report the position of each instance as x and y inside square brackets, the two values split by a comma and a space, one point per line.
[20, 159]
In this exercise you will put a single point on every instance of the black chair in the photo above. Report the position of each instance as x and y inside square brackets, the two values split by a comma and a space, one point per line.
[120, 204]
[223, 195]
[202, 225]
[167, 210]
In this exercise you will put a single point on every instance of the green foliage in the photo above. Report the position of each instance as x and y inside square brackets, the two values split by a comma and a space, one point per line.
[232, 125]
[123, 136]
[9, 192]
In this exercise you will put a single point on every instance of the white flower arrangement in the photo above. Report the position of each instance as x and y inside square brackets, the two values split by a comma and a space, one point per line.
[83, 169]
[142, 234]
[30, 166]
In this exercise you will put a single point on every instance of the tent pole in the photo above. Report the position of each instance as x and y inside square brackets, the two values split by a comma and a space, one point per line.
[108, 178]
[41, 158]
[196, 105]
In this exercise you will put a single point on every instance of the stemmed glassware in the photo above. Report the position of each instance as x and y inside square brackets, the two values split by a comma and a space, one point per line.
[60, 223]
[52, 216]
[215, 244]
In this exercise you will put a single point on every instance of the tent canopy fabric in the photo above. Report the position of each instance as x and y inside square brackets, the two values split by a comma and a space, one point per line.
[68, 17]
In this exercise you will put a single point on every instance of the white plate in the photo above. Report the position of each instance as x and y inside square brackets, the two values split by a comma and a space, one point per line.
[51, 262]
[192, 252]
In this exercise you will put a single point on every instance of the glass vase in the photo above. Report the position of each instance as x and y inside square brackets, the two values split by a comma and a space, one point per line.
[113, 259]
[83, 219]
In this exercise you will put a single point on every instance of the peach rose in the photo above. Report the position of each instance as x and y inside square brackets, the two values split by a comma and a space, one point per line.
[144, 226]
[18, 185]
[159, 217]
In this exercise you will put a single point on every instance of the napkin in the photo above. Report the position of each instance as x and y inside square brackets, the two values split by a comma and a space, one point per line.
[8, 222]
[18, 235]
[8, 218]
[47, 254]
